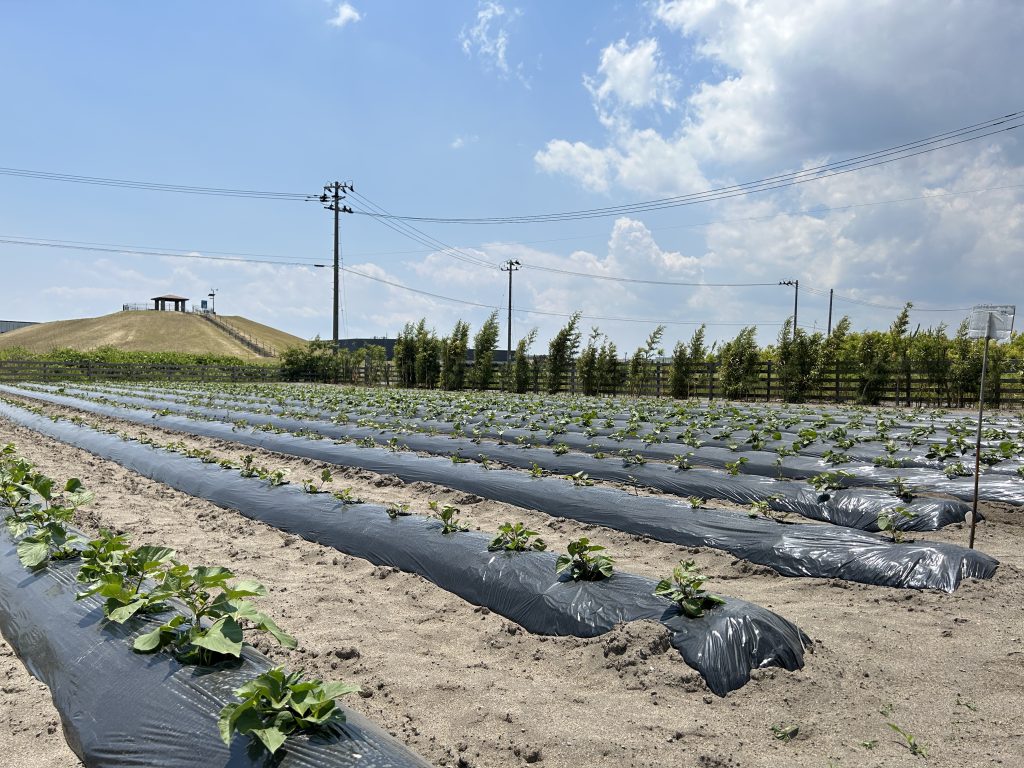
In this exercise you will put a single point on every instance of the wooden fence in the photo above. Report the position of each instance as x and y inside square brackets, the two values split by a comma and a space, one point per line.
[90, 370]
[838, 386]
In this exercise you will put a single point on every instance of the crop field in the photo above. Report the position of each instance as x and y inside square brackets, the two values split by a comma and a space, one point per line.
[507, 579]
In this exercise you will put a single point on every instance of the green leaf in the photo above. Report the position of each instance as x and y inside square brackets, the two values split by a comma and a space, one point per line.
[223, 636]
[150, 641]
[271, 737]
[125, 612]
[32, 552]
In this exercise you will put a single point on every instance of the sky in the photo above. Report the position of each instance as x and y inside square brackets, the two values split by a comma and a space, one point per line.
[486, 109]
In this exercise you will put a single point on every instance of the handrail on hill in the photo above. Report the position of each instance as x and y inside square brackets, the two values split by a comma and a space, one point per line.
[249, 342]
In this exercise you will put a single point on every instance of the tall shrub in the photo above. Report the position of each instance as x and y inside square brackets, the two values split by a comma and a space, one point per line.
[484, 344]
[562, 351]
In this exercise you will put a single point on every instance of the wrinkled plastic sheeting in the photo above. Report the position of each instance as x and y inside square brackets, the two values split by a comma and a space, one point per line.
[791, 550]
[724, 645]
[120, 709]
[855, 508]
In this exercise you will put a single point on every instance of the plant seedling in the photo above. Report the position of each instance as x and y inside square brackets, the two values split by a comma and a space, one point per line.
[347, 496]
[398, 510]
[827, 482]
[869, 744]
[685, 589]
[536, 470]
[891, 518]
[311, 486]
[216, 615]
[696, 502]
[583, 564]
[560, 449]
[785, 732]
[681, 461]
[276, 704]
[915, 747]
[901, 489]
[248, 468]
[733, 467]
[449, 522]
[516, 538]
[580, 478]
[759, 509]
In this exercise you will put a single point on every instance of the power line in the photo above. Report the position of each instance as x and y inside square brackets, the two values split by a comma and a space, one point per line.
[156, 186]
[827, 170]
[865, 302]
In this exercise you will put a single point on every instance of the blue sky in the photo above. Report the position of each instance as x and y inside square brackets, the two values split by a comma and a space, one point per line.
[463, 109]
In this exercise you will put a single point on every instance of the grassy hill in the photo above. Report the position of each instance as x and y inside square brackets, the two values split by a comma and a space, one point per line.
[148, 332]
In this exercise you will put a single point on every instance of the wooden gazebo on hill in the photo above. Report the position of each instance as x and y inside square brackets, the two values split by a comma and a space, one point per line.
[160, 302]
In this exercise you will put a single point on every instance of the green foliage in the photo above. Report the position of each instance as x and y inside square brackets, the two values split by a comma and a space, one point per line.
[685, 588]
[484, 344]
[454, 349]
[312, 486]
[449, 522]
[395, 509]
[216, 613]
[276, 704]
[798, 357]
[890, 519]
[738, 364]
[696, 502]
[516, 538]
[561, 353]
[916, 748]
[827, 482]
[41, 526]
[685, 361]
[785, 732]
[733, 467]
[641, 365]
[586, 365]
[580, 479]
[347, 496]
[521, 370]
[584, 563]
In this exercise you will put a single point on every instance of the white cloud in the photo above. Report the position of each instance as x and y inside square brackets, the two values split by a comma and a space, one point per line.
[460, 141]
[345, 14]
[488, 38]
[590, 166]
[632, 76]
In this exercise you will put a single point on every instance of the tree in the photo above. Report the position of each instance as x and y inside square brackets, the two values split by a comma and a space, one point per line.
[641, 365]
[738, 360]
[428, 356]
[521, 372]
[453, 357]
[405, 356]
[685, 359]
[484, 344]
[586, 365]
[798, 362]
[874, 356]
[899, 348]
[562, 351]
[929, 354]
[608, 376]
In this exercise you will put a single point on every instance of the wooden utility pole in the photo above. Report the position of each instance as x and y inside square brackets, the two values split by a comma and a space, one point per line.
[331, 199]
[509, 266]
[796, 298]
[830, 290]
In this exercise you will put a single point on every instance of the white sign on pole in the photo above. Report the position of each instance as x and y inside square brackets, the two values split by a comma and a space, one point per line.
[992, 321]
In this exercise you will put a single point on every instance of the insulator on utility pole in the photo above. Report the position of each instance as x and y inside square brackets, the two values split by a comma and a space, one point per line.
[331, 199]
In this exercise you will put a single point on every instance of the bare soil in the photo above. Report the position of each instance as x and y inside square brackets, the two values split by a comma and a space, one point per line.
[465, 687]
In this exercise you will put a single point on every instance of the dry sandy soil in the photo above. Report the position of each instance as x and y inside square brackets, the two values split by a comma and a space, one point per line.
[465, 687]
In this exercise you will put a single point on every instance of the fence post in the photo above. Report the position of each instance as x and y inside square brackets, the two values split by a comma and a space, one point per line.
[711, 381]
[657, 377]
[768, 384]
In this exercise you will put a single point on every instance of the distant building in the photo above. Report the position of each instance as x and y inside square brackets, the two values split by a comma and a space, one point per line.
[13, 325]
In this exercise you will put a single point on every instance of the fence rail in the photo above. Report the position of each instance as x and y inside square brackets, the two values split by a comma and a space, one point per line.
[86, 370]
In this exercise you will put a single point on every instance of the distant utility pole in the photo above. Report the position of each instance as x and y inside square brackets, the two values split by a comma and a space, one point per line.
[331, 198]
[830, 290]
[213, 301]
[796, 297]
[509, 266]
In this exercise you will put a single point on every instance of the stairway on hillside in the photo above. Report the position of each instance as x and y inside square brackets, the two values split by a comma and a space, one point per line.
[252, 344]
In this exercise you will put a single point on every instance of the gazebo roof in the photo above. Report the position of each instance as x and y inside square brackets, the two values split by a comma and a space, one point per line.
[170, 297]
